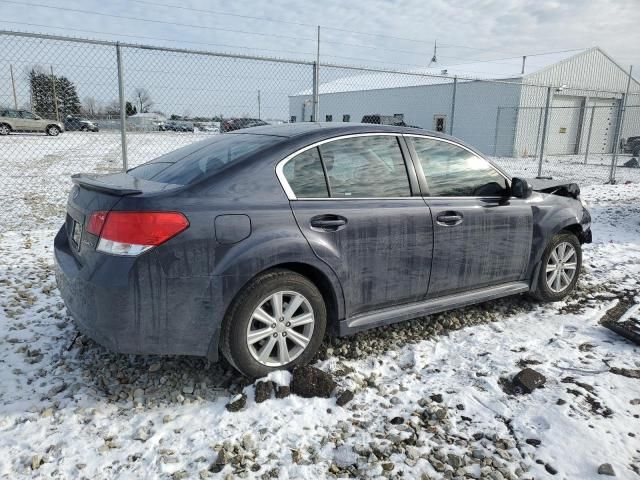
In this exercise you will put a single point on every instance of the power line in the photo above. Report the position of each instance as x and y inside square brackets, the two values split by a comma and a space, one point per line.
[146, 37]
[244, 32]
[302, 24]
[139, 19]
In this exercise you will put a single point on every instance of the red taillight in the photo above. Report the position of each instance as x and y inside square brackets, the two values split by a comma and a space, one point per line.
[143, 228]
[131, 233]
[95, 223]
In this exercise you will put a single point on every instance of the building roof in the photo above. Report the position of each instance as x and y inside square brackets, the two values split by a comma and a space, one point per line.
[499, 69]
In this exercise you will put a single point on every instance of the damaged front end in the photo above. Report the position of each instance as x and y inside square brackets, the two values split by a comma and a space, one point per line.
[555, 187]
[567, 190]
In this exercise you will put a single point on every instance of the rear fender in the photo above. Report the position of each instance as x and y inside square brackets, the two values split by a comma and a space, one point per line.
[241, 262]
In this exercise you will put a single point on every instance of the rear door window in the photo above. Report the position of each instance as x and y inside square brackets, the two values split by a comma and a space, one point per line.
[367, 166]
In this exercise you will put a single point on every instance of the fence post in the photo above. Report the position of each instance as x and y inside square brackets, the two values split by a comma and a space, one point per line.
[619, 125]
[545, 125]
[495, 135]
[314, 93]
[586, 150]
[453, 104]
[123, 109]
[316, 82]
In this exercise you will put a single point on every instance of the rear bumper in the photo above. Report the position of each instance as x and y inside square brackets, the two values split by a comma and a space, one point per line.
[128, 306]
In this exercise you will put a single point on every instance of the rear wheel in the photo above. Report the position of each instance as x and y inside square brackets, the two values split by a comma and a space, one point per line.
[560, 268]
[53, 131]
[5, 129]
[277, 322]
[83, 128]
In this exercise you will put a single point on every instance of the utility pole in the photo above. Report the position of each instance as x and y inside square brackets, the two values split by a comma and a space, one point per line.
[259, 117]
[55, 96]
[13, 84]
[524, 59]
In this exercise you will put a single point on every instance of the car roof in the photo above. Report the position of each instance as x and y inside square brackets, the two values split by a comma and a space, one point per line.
[330, 129]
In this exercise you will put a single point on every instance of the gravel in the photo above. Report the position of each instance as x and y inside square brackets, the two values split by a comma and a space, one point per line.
[399, 406]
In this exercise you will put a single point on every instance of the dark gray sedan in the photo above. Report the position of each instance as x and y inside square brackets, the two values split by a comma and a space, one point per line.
[254, 243]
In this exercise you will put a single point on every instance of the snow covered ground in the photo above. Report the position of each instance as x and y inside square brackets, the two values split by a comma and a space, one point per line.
[34, 179]
[429, 399]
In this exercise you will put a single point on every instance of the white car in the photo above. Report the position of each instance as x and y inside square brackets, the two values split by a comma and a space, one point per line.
[24, 121]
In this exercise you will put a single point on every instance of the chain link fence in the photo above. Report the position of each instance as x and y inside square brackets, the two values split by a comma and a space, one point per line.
[121, 105]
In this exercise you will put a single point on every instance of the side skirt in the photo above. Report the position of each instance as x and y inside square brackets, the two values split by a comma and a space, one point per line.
[401, 313]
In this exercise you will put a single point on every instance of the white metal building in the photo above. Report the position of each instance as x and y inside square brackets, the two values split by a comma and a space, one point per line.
[501, 116]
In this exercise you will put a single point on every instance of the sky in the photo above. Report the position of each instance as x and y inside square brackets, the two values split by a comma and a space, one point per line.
[398, 34]
[466, 30]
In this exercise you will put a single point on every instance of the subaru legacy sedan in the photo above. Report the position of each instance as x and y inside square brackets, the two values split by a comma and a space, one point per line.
[254, 244]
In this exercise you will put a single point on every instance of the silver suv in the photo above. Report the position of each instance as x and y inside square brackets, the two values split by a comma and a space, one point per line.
[24, 121]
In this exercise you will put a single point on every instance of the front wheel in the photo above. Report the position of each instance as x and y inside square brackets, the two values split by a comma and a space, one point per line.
[277, 322]
[53, 131]
[560, 268]
[5, 129]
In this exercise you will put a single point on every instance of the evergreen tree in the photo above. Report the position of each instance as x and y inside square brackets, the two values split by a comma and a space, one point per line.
[42, 87]
[130, 109]
[68, 101]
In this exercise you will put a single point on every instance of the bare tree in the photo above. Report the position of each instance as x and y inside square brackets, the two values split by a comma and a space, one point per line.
[143, 99]
[112, 108]
[90, 106]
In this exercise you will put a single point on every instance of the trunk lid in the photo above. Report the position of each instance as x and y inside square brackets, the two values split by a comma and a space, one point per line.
[92, 193]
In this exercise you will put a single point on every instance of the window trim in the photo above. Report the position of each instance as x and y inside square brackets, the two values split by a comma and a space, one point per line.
[292, 196]
[421, 174]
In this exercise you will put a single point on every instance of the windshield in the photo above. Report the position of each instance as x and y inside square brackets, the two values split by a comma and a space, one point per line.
[201, 159]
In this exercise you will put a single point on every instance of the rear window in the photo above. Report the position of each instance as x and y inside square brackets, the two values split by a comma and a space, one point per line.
[199, 160]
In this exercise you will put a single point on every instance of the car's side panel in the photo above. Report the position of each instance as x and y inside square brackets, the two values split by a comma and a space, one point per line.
[382, 255]
[490, 245]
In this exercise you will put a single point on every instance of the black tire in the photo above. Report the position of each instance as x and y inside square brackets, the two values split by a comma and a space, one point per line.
[5, 129]
[233, 335]
[53, 130]
[83, 128]
[542, 289]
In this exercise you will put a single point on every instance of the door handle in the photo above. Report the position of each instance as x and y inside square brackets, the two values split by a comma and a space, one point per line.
[449, 219]
[328, 223]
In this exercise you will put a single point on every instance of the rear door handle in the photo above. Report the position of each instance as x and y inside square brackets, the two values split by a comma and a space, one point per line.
[328, 223]
[449, 219]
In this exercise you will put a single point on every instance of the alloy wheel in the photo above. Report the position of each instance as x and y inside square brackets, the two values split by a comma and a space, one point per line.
[561, 267]
[4, 130]
[280, 328]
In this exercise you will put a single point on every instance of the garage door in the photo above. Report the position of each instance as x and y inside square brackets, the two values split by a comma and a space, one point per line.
[600, 118]
[564, 125]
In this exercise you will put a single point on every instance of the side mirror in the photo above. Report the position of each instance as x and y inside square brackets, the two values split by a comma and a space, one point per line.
[520, 188]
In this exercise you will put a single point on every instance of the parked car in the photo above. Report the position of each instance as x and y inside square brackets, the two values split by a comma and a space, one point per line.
[176, 126]
[24, 121]
[238, 123]
[80, 124]
[254, 243]
[378, 119]
[631, 145]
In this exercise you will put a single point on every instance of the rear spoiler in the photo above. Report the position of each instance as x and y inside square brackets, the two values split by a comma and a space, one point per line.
[102, 184]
